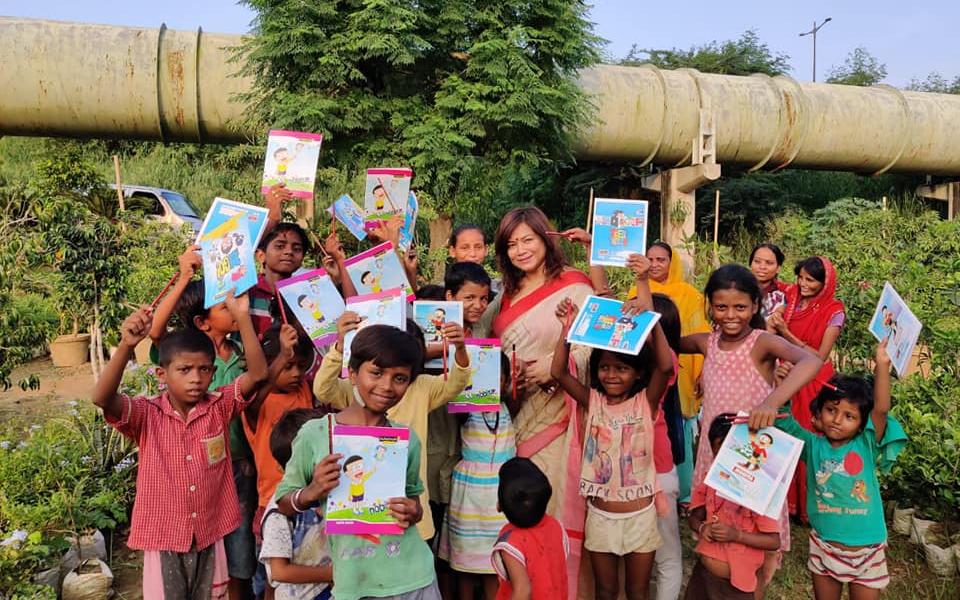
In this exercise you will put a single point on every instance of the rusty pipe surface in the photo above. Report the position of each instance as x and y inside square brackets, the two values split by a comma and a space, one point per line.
[79, 80]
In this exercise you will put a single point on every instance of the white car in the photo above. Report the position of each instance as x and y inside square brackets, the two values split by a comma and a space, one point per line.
[163, 205]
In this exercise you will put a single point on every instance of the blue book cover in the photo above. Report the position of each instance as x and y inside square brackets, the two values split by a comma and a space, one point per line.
[409, 222]
[619, 230]
[228, 239]
[600, 323]
[430, 315]
[895, 322]
[316, 302]
[347, 212]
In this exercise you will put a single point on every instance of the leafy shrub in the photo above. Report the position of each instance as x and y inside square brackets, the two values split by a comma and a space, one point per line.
[22, 555]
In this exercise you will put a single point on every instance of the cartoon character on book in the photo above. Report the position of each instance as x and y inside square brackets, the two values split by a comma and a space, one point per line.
[228, 261]
[311, 307]
[372, 280]
[756, 451]
[379, 197]
[358, 477]
[481, 358]
[621, 328]
[436, 321]
[284, 158]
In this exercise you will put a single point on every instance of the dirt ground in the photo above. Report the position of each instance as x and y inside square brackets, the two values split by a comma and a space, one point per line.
[57, 388]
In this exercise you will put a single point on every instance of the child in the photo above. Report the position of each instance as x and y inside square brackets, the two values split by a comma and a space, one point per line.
[468, 244]
[531, 551]
[848, 533]
[295, 550]
[469, 284]
[425, 394]
[186, 502]
[618, 477]
[384, 363]
[738, 369]
[732, 539]
[281, 252]
[472, 522]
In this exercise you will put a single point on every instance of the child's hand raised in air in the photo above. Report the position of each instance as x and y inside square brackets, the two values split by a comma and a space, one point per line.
[288, 340]
[453, 334]
[566, 311]
[326, 477]
[276, 195]
[238, 306]
[640, 265]
[347, 322]
[881, 355]
[190, 262]
[136, 327]
[406, 511]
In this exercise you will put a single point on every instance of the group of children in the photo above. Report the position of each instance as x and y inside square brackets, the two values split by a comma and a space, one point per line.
[236, 456]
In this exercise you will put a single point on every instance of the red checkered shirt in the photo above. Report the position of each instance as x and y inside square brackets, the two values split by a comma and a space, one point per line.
[185, 490]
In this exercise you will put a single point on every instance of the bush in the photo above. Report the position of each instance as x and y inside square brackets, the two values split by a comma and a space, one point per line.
[23, 555]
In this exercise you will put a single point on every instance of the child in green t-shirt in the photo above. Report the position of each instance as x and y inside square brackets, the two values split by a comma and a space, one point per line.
[857, 437]
[384, 361]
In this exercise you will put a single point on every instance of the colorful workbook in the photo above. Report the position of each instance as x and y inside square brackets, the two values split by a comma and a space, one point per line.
[316, 302]
[752, 465]
[895, 322]
[409, 222]
[482, 392]
[385, 193]
[430, 315]
[374, 470]
[347, 212]
[619, 230]
[602, 324]
[228, 238]
[383, 308]
[378, 269]
[292, 158]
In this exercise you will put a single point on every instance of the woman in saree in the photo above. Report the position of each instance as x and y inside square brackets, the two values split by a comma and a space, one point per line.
[765, 262]
[812, 320]
[666, 277]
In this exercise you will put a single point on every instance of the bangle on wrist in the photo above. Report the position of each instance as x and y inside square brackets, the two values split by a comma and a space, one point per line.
[294, 501]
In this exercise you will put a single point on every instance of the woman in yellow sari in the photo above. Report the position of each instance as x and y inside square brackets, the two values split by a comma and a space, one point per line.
[666, 277]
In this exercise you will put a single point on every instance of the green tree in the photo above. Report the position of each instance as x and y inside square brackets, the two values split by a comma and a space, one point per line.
[465, 92]
[859, 68]
[935, 82]
[743, 56]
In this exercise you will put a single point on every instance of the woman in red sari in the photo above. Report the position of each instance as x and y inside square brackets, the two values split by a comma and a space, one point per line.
[812, 320]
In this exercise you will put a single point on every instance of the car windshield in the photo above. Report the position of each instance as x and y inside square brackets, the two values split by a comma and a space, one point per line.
[180, 204]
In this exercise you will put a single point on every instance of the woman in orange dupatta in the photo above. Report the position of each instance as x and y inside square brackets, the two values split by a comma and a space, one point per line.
[812, 320]
[666, 277]
[548, 425]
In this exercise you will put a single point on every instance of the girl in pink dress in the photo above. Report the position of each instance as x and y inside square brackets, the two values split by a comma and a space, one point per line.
[739, 363]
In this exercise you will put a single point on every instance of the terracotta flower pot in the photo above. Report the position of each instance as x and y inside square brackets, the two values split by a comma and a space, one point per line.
[70, 350]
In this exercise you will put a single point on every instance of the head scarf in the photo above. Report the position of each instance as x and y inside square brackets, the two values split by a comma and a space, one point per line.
[810, 322]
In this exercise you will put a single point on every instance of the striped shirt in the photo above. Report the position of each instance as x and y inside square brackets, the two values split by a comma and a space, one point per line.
[185, 490]
[262, 296]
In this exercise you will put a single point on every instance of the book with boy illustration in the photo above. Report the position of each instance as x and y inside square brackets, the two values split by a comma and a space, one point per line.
[386, 193]
[430, 315]
[346, 211]
[895, 322]
[383, 308]
[374, 470]
[378, 269]
[752, 466]
[602, 324]
[316, 302]
[228, 238]
[619, 230]
[482, 392]
[409, 222]
[291, 159]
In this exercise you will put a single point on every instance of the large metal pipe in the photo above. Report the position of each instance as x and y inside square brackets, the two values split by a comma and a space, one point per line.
[70, 79]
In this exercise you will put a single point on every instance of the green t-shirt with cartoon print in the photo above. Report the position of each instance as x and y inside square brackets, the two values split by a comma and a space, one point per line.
[843, 493]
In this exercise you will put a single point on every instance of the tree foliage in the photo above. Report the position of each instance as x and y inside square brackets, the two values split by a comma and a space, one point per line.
[935, 82]
[743, 56]
[462, 91]
[859, 68]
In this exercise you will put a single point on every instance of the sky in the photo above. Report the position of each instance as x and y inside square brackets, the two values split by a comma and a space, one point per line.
[911, 38]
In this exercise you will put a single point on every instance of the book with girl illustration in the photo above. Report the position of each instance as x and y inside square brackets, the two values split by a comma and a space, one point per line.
[602, 324]
[619, 230]
[378, 269]
[316, 302]
[383, 308]
[895, 322]
[228, 239]
[292, 158]
[346, 211]
[482, 392]
[430, 315]
[374, 470]
[754, 468]
[386, 193]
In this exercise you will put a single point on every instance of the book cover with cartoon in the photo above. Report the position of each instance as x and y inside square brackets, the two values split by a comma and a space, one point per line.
[346, 211]
[895, 322]
[374, 470]
[751, 464]
[378, 269]
[409, 222]
[386, 193]
[619, 230]
[430, 315]
[292, 158]
[602, 324]
[228, 239]
[382, 308]
[316, 302]
[482, 392]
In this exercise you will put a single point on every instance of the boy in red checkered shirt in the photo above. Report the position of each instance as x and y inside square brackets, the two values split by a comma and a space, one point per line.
[186, 502]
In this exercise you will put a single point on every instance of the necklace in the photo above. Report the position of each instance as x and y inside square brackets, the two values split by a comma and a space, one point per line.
[493, 430]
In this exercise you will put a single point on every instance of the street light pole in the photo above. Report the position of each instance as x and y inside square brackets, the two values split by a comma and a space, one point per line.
[813, 32]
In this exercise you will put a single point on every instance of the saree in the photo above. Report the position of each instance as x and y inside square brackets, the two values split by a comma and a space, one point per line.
[548, 426]
[809, 324]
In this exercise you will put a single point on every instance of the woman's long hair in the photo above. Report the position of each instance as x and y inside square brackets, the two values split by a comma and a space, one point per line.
[534, 218]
